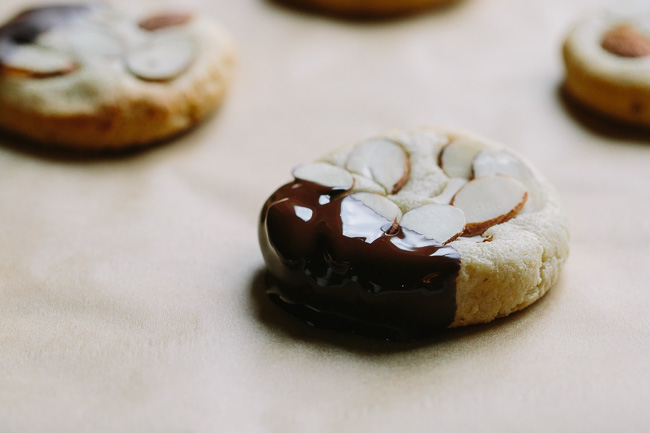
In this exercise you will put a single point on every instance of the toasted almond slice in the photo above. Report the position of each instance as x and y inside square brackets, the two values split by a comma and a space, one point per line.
[164, 58]
[625, 40]
[440, 222]
[382, 160]
[456, 157]
[38, 62]
[380, 204]
[324, 174]
[83, 40]
[452, 187]
[503, 162]
[363, 184]
[164, 19]
[95, 40]
[393, 229]
[488, 201]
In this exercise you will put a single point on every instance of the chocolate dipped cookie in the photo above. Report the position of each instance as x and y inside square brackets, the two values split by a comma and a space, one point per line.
[405, 234]
[91, 77]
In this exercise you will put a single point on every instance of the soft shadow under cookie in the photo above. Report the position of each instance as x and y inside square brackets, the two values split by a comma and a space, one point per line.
[598, 123]
[277, 322]
[362, 11]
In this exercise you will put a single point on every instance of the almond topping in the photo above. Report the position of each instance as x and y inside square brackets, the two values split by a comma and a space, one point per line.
[488, 201]
[452, 187]
[324, 174]
[166, 19]
[503, 162]
[37, 62]
[456, 157]
[164, 58]
[626, 41]
[380, 204]
[89, 39]
[394, 228]
[382, 160]
[440, 222]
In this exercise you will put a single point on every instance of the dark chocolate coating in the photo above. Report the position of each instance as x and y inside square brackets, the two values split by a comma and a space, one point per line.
[27, 26]
[331, 262]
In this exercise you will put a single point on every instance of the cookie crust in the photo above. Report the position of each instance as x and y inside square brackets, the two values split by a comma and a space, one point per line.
[95, 107]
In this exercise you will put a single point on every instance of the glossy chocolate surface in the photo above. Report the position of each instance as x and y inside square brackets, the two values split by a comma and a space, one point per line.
[331, 262]
[27, 26]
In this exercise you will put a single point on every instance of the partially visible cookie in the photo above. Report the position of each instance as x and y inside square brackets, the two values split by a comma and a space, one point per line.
[404, 234]
[91, 77]
[367, 8]
[607, 59]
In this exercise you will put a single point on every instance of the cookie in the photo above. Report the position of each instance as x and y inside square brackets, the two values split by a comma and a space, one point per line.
[91, 77]
[404, 234]
[367, 8]
[607, 59]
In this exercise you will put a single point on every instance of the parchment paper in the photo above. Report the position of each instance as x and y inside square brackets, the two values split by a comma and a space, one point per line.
[130, 289]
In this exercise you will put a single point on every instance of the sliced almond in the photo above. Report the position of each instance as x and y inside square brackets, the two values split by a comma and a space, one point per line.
[164, 58]
[452, 187]
[393, 229]
[324, 174]
[163, 20]
[488, 201]
[26, 27]
[84, 40]
[625, 40]
[380, 204]
[440, 222]
[363, 184]
[382, 160]
[93, 40]
[37, 62]
[503, 162]
[488, 162]
[478, 238]
[456, 157]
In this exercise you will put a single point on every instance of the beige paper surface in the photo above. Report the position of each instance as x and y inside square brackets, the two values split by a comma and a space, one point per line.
[130, 292]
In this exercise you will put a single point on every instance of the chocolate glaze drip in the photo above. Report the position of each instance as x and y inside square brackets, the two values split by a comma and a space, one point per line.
[331, 263]
[27, 26]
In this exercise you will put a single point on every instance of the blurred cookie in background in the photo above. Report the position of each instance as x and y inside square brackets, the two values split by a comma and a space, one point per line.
[87, 76]
[607, 60]
[366, 8]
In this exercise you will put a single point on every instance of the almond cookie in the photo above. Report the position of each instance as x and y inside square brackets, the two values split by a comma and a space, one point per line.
[607, 59]
[90, 77]
[403, 234]
[367, 8]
